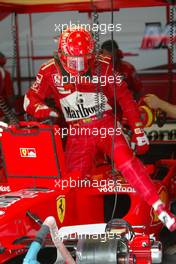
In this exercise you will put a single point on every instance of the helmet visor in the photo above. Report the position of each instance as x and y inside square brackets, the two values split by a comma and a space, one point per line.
[76, 63]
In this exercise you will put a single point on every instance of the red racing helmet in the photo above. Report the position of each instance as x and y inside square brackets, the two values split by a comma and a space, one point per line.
[75, 50]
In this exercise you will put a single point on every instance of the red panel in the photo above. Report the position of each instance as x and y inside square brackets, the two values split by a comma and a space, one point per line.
[158, 84]
[32, 153]
[86, 6]
[3, 15]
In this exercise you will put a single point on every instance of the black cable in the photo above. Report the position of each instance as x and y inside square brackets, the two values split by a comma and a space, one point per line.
[101, 107]
[7, 111]
[13, 31]
[115, 94]
[171, 37]
[171, 46]
[100, 100]
[115, 111]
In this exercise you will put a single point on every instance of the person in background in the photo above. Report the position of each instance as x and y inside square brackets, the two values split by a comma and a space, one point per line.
[6, 85]
[126, 69]
[156, 103]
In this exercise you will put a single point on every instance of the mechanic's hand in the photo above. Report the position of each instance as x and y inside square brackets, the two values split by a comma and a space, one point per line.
[152, 101]
[139, 141]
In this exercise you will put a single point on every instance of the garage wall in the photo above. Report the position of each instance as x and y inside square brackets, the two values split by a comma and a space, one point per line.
[133, 24]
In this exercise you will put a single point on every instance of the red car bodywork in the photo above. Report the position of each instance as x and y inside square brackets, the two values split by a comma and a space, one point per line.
[38, 187]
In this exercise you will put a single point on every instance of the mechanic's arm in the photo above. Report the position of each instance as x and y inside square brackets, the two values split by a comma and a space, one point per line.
[155, 103]
[34, 101]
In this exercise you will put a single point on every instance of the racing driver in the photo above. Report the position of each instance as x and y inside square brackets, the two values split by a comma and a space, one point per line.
[85, 104]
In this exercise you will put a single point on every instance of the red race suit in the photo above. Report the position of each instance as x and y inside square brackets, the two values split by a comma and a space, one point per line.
[78, 101]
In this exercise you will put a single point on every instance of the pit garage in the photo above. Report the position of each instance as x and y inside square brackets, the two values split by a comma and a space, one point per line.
[101, 65]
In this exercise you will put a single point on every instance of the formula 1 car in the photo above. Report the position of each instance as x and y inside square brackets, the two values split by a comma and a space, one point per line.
[37, 186]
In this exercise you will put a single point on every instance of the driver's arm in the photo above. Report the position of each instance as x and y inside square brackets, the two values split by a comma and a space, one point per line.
[34, 100]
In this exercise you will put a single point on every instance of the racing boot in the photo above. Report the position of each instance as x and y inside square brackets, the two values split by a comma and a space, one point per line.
[135, 173]
[165, 216]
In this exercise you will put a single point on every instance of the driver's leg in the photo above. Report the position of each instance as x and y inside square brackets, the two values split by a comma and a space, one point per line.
[79, 154]
[136, 175]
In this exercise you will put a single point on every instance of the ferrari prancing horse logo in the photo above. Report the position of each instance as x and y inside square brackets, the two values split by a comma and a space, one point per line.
[28, 153]
[61, 206]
